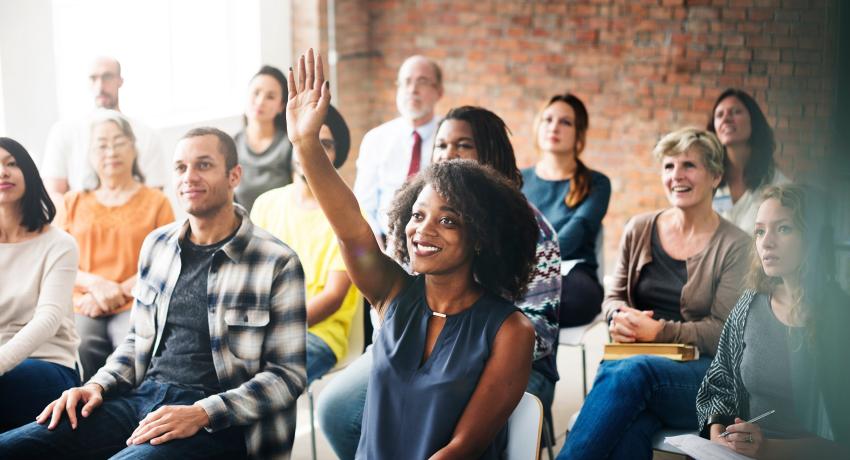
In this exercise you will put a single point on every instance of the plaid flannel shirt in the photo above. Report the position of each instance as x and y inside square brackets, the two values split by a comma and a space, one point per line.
[257, 322]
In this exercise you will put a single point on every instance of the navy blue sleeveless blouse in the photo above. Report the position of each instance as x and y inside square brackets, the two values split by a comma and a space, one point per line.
[411, 410]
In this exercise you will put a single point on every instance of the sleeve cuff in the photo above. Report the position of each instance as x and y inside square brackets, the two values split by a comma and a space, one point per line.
[724, 420]
[105, 380]
[216, 411]
[665, 334]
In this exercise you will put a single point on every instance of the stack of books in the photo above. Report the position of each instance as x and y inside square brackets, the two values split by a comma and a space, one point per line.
[674, 351]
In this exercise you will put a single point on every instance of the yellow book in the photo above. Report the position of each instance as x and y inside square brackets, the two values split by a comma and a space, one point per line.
[674, 351]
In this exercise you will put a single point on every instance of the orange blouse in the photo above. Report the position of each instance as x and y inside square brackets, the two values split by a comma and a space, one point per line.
[110, 237]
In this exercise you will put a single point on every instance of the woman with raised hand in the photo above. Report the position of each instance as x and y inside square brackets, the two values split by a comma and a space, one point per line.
[452, 357]
[265, 152]
[38, 263]
[574, 198]
[477, 134]
[678, 275]
[110, 223]
[784, 345]
[748, 143]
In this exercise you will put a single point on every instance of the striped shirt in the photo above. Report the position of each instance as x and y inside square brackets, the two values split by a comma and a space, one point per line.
[257, 322]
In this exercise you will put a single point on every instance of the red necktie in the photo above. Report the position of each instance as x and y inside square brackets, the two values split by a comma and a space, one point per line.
[415, 155]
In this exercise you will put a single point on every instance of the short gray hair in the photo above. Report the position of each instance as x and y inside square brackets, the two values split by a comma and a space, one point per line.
[685, 139]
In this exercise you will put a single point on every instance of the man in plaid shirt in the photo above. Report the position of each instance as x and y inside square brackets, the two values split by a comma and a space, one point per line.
[215, 359]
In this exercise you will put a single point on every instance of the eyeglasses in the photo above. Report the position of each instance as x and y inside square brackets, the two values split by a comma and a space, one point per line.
[118, 145]
[417, 83]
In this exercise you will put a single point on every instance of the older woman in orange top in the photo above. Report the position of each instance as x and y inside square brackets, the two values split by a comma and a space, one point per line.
[110, 223]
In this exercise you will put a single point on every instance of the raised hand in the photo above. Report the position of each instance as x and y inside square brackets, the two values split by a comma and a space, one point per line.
[308, 101]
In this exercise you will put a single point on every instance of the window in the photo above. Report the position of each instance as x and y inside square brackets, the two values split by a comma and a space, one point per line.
[182, 61]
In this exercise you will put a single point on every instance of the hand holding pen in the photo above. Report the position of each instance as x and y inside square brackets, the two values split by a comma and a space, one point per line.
[744, 436]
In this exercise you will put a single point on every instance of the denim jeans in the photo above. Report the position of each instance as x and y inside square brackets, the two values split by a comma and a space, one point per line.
[340, 406]
[29, 387]
[341, 403]
[632, 399]
[104, 433]
[320, 358]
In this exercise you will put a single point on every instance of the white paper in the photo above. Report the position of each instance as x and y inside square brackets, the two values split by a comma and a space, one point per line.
[568, 265]
[703, 449]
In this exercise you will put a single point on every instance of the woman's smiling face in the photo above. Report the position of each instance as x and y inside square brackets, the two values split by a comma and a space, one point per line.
[436, 238]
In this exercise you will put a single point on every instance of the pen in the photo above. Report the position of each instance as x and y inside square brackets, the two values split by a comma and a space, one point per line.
[752, 420]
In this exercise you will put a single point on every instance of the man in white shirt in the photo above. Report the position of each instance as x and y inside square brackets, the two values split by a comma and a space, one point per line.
[399, 148]
[65, 165]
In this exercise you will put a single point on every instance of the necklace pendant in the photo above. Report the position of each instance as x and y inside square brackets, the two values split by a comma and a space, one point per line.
[436, 313]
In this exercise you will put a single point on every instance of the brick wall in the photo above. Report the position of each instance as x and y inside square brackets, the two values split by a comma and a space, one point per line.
[643, 68]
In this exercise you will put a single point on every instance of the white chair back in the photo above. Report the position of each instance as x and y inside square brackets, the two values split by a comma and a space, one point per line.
[524, 429]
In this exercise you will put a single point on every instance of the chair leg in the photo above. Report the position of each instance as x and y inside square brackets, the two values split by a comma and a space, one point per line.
[547, 438]
[583, 372]
[312, 423]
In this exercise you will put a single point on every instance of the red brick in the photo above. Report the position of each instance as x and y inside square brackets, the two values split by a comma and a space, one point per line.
[642, 67]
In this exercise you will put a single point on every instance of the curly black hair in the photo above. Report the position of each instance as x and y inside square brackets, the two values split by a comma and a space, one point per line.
[497, 220]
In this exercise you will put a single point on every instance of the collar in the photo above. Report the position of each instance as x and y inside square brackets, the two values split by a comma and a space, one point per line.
[233, 249]
[425, 131]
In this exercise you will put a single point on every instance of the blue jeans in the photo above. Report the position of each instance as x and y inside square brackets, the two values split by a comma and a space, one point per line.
[104, 433]
[340, 406]
[29, 387]
[632, 399]
[320, 358]
[341, 403]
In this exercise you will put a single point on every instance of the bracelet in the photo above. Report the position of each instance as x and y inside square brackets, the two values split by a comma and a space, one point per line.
[721, 419]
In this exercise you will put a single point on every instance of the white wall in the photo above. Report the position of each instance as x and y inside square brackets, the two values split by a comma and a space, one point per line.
[28, 104]
[28, 82]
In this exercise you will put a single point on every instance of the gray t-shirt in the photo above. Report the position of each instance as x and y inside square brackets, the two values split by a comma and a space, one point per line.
[184, 356]
[262, 171]
[766, 368]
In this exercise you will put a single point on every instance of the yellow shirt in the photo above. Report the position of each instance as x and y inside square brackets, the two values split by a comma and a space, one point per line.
[309, 234]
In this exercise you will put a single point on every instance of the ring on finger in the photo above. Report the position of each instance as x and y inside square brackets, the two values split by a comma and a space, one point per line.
[750, 438]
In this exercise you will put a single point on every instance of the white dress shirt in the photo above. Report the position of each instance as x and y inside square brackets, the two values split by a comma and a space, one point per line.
[383, 163]
[743, 212]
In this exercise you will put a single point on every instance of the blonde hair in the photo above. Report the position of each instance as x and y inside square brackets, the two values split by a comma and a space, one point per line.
[792, 197]
[686, 139]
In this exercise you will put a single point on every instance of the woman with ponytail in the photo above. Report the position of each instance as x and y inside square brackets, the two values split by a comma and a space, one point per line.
[574, 198]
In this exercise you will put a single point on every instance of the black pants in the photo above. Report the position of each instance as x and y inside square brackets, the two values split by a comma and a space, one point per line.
[581, 296]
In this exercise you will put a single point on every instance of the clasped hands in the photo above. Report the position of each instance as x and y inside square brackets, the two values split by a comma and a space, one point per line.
[162, 425]
[631, 325]
[103, 296]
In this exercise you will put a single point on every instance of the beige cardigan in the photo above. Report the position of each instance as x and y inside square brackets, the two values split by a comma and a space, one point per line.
[714, 282]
